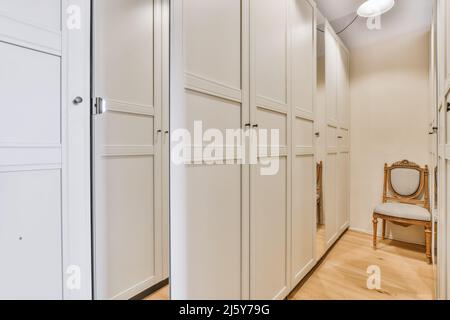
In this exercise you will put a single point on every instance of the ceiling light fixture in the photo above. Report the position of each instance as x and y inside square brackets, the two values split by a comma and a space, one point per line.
[375, 8]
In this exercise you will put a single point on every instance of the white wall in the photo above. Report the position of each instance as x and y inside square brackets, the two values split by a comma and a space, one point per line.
[389, 101]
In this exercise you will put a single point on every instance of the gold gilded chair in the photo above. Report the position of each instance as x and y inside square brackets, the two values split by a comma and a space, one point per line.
[406, 200]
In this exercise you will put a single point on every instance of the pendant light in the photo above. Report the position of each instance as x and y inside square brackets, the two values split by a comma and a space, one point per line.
[375, 8]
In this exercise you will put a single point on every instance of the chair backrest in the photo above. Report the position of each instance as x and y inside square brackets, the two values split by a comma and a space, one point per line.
[406, 182]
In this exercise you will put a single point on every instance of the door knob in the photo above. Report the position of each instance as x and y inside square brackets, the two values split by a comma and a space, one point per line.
[77, 100]
[317, 134]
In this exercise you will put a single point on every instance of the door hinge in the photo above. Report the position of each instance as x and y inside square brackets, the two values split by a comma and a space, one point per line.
[98, 106]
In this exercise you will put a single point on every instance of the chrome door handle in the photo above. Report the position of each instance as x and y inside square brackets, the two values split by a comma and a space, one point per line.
[100, 106]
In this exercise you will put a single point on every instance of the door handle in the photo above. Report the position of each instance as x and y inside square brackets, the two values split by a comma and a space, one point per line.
[255, 126]
[340, 137]
[77, 101]
[317, 134]
[448, 106]
[100, 106]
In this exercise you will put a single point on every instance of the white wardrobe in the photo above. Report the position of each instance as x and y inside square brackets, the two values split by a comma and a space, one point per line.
[251, 64]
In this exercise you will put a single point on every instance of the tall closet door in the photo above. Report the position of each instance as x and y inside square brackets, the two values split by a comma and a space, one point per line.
[343, 162]
[44, 150]
[443, 143]
[303, 158]
[127, 147]
[270, 109]
[331, 160]
[31, 149]
[209, 209]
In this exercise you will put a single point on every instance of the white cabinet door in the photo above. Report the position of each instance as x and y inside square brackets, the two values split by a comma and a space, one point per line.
[44, 214]
[444, 176]
[303, 129]
[165, 157]
[127, 146]
[209, 210]
[331, 159]
[270, 109]
[343, 171]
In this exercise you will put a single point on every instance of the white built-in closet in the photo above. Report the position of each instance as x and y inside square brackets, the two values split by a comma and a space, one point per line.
[251, 64]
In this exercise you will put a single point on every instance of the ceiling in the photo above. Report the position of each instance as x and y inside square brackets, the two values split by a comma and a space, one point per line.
[407, 16]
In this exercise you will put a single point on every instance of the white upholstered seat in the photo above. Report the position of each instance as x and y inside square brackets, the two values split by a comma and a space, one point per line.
[401, 210]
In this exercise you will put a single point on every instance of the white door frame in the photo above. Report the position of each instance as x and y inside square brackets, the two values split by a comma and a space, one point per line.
[76, 162]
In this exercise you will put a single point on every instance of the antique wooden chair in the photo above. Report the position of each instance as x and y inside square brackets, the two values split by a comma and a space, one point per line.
[319, 171]
[406, 200]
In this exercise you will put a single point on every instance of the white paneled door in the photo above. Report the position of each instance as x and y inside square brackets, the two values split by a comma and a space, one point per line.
[270, 109]
[337, 161]
[128, 141]
[303, 128]
[331, 133]
[343, 158]
[44, 150]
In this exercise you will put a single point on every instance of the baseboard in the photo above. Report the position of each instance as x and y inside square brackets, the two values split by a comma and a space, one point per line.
[144, 294]
[390, 237]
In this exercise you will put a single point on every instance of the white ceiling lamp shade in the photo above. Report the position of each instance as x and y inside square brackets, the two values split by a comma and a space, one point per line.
[375, 8]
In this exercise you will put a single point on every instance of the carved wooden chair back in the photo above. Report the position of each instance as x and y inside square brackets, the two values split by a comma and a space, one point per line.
[406, 182]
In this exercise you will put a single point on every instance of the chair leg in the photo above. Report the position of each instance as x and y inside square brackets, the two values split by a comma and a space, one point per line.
[428, 243]
[384, 229]
[375, 231]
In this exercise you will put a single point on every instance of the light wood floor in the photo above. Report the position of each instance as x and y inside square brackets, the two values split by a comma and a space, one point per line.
[161, 294]
[342, 275]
